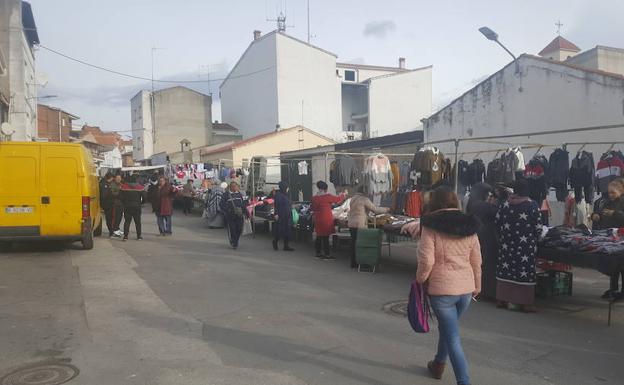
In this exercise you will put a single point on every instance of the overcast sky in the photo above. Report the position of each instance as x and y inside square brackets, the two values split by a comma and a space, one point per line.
[119, 34]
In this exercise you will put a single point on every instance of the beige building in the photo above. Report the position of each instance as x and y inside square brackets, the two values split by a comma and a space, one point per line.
[265, 145]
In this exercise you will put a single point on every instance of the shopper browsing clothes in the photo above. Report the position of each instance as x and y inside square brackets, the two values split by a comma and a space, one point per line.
[357, 218]
[187, 196]
[609, 213]
[234, 206]
[283, 217]
[163, 205]
[519, 227]
[483, 204]
[117, 211]
[324, 218]
[449, 262]
[106, 201]
[133, 196]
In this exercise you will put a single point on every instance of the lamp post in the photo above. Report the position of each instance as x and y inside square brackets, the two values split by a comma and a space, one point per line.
[493, 36]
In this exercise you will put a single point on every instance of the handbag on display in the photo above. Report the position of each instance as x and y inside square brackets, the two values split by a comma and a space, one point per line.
[418, 310]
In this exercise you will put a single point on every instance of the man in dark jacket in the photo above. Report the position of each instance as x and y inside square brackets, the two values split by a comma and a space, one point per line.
[133, 196]
[106, 202]
[283, 217]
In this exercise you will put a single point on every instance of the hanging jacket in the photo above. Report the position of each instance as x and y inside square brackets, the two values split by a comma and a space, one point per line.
[495, 171]
[430, 164]
[582, 176]
[476, 170]
[608, 168]
[558, 172]
[535, 173]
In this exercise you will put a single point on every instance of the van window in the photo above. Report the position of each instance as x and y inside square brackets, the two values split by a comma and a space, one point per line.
[61, 176]
[18, 175]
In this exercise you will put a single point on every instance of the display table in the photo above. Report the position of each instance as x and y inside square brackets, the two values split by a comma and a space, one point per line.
[605, 263]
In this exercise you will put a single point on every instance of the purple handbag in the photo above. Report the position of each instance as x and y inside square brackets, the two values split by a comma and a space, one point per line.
[418, 310]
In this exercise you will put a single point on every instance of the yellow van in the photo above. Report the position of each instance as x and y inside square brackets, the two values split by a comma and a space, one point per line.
[48, 191]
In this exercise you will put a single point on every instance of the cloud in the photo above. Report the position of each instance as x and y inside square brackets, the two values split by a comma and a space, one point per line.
[379, 29]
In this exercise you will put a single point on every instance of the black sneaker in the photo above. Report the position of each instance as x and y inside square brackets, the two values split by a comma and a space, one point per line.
[125, 239]
[319, 256]
[618, 296]
[609, 294]
[275, 245]
[139, 238]
[329, 258]
[288, 249]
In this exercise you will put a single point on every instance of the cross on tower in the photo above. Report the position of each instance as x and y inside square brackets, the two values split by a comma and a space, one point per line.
[559, 25]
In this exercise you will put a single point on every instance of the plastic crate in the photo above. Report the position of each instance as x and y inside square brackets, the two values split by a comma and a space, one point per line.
[553, 283]
[550, 265]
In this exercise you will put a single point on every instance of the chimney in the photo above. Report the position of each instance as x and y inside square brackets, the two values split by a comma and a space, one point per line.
[257, 34]
[402, 63]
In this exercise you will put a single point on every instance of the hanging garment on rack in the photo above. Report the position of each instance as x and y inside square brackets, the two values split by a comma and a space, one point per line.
[345, 172]
[404, 173]
[378, 174]
[396, 176]
[463, 173]
[558, 172]
[495, 171]
[429, 164]
[535, 173]
[476, 170]
[610, 167]
[513, 162]
[303, 167]
[413, 204]
[582, 176]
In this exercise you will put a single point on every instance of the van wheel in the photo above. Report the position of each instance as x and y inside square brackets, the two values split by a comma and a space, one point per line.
[87, 241]
[98, 230]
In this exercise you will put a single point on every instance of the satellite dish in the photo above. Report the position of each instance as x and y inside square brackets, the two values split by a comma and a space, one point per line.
[6, 129]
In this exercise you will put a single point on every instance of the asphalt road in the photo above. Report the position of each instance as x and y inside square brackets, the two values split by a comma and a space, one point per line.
[187, 309]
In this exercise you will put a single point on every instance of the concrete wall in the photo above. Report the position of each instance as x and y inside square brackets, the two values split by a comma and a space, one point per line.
[142, 138]
[363, 73]
[397, 103]
[249, 102]
[309, 92]
[181, 113]
[601, 58]
[559, 55]
[544, 97]
[18, 85]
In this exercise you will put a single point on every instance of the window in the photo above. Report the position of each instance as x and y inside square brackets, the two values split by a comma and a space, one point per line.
[350, 137]
[63, 121]
[350, 76]
[350, 127]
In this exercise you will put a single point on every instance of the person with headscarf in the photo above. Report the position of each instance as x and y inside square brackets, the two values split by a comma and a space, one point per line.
[519, 226]
[483, 205]
[324, 219]
[283, 217]
[357, 218]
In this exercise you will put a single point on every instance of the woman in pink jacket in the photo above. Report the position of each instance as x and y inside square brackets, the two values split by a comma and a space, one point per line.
[449, 263]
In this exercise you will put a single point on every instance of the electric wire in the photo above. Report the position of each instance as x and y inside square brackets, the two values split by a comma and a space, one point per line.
[145, 78]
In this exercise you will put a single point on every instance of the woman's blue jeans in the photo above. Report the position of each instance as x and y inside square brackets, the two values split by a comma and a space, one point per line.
[448, 309]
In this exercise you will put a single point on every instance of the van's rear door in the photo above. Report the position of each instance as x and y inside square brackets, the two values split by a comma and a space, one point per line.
[61, 192]
[20, 213]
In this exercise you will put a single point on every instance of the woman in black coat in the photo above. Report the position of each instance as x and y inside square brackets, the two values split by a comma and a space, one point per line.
[283, 217]
[482, 204]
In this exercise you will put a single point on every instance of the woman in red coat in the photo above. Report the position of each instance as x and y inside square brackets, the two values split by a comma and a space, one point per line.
[324, 219]
[163, 205]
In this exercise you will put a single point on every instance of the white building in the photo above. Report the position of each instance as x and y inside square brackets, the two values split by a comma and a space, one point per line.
[281, 81]
[545, 95]
[18, 85]
[179, 114]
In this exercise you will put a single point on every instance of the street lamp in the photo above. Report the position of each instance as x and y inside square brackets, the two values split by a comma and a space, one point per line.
[491, 35]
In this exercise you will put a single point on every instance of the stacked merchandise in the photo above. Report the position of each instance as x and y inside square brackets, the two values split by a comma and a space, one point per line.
[608, 241]
[344, 172]
[610, 167]
[378, 174]
[429, 167]
[558, 172]
[536, 172]
[582, 176]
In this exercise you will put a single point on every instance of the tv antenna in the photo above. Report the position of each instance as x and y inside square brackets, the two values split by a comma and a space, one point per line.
[281, 17]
